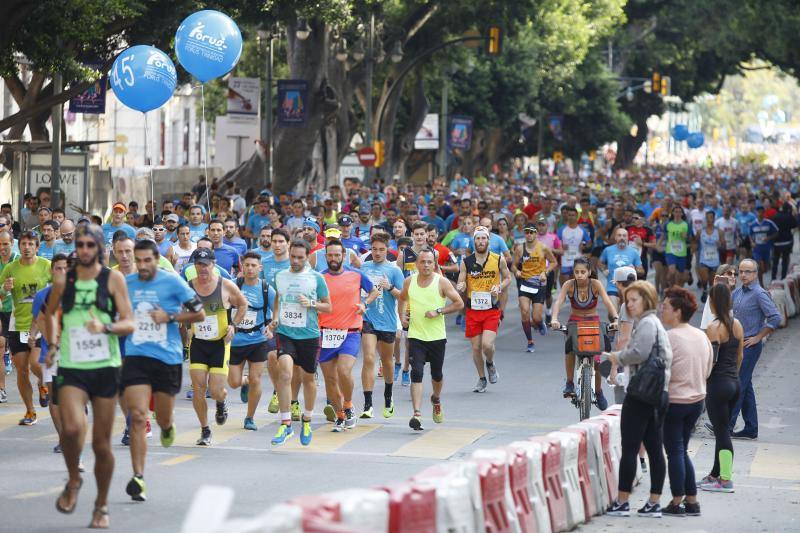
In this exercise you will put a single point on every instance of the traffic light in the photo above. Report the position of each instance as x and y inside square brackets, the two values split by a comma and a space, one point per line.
[655, 84]
[494, 41]
[666, 86]
[378, 146]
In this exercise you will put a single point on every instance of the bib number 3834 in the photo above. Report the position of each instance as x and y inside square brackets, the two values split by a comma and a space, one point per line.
[86, 347]
[293, 315]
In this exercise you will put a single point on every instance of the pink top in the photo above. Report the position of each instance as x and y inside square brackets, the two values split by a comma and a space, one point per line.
[550, 240]
[692, 359]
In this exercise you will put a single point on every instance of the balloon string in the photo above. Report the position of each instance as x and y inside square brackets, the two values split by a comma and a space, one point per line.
[150, 166]
[205, 146]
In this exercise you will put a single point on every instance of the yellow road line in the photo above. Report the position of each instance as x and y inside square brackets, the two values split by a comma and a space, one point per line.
[440, 443]
[324, 440]
[219, 434]
[37, 494]
[178, 460]
[776, 461]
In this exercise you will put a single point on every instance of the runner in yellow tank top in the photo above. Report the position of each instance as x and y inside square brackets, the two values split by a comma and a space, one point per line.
[426, 292]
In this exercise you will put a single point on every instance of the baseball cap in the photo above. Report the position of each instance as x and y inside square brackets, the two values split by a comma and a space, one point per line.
[311, 223]
[481, 230]
[345, 220]
[145, 234]
[204, 255]
[333, 232]
[119, 205]
[623, 274]
[530, 226]
[172, 217]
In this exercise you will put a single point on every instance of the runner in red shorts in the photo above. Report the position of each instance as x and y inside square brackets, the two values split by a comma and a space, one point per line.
[483, 277]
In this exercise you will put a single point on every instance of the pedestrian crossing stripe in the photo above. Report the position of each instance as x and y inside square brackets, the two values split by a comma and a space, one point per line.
[9, 420]
[324, 440]
[776, 461]
[440, 443]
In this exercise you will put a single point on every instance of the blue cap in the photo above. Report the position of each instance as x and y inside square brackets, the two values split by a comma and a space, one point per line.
[311, 223]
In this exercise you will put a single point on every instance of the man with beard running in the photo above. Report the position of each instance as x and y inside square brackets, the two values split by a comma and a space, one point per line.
[483, 278]
[270, 265]
[533, 262]
[87, 299]
[209, 351]
[153, 360]
[422, 306]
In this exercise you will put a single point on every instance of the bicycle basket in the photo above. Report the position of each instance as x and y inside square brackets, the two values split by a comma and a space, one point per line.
[587, 338]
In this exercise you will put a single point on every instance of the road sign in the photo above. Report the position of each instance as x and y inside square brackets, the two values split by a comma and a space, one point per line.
[366, 156]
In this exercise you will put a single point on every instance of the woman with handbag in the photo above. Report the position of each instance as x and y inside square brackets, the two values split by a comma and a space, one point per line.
[648, 358]
[692, 358]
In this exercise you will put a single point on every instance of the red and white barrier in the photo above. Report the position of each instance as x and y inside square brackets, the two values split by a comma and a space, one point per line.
[412, 508]
[570, 444]
[498, 503]
[551, 474]
[366, 509]
[594, 461]
[584, 478]
[459, 507]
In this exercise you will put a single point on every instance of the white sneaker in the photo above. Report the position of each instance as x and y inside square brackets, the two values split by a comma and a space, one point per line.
[3, 396]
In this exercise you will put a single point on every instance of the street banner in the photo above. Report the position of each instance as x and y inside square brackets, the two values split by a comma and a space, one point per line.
[427, 137]
[459, 132]
[292, 99]
[93, 99]
[243, 96]
[556, 123]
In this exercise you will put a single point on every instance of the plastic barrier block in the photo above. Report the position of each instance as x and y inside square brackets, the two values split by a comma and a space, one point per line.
[498, 517]
[536, 490]
[502, 457]
[594, 454]
[208, 510]
[363, 508]
[519, 482]
[459, 507]
[551, 474]
[569, 477]
[280, 518]
[318, 508]
[584, 478]
[608, 459]
[412, 508]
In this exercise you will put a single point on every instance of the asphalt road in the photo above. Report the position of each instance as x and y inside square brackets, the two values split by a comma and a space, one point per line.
[525, 402]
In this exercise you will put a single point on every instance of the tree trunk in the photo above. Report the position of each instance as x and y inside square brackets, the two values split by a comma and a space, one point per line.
[396, 162]
[629, 145]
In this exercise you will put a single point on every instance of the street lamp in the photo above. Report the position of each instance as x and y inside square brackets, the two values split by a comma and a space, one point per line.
[303, 30]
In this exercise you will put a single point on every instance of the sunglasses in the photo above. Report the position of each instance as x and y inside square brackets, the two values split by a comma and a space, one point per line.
[70, 234]
[730, 273]
[86, 244]
[530, 231]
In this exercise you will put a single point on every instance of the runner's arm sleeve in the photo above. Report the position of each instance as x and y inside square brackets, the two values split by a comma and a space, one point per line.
[193, 304]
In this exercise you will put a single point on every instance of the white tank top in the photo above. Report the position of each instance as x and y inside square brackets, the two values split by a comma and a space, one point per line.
[183, 255]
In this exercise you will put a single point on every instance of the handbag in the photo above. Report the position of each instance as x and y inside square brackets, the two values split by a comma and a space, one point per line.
[647, 385]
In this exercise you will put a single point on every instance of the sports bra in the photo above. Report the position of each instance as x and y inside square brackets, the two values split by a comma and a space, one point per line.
[589, 303]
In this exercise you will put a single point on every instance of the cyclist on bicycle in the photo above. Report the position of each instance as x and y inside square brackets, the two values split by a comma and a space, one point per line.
[584, 293]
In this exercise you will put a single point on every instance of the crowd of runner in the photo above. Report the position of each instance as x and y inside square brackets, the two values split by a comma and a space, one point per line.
[106, 311]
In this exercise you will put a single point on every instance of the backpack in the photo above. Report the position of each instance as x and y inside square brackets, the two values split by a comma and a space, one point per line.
[264, 295]
[103, 299]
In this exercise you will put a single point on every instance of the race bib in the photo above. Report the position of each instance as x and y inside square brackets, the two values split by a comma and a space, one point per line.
[676, 247]
[23, 337]
[86, 347]
[570, 255]
[333, 338]
[293, 315]
[480, 301]
[249, 321]
[147, 330]
[710, 254]
[730, 239]
[208, 329]
[761, 238]
[529, 289]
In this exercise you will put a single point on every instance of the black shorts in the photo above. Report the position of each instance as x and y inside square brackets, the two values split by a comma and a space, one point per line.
[97, 383]
[211, 356]
[387, 337]
[421, 352]
[272, 345]
[658, 257]
[144, 370]
[538, 298]
[304, 352]
[5, 320]
[255, 353]
[14, 344]
[551, 282]
[597, 251]
[746, 244]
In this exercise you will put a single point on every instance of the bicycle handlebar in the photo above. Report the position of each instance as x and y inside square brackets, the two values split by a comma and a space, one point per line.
[565, 327]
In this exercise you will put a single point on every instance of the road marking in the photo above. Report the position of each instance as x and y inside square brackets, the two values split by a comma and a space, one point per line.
[440, 443]
[38, 494]
[326, 441]
[119, 426]
[219, 434]
[776, 461]
[12, 419]
[531, 425]
[178, 460]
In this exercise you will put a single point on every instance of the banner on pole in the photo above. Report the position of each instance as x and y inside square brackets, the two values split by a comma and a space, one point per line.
[556, 125]
[459, 132]
[292, 96]
[93, 99]
[427, 137]
[243, 96]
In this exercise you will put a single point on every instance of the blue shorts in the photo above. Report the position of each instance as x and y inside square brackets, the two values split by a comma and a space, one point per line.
[678, 262]
[567, 271]
[272, 344]
[761, 253]
[350, 346]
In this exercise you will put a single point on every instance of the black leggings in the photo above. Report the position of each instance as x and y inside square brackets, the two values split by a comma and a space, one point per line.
[421, 352]
[721, 397]
[781, 252]
[640, 423]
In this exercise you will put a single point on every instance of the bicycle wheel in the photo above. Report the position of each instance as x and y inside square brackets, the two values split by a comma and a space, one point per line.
[585, 392]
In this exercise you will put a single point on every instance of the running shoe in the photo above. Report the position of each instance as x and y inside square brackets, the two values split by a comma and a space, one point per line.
[397, 369]
[531, 348]
[388, 412]
[185, 353]
[168, 436]
[643, 464]
[719, 485]
[250, 424]
[650, 510]
[205, 437]
[481, 386]
[416, 422]
[741, 435]
[339, 425]
[57, 448]
[708, 480]
[7, 363]
[367, 412]
[459, 320]
[136, 489]
[208, 393]
[189, 394]
[543, 327]
[674, 510]
[569, 389]
[29, 419]
[243, 392]
[438, 415]
[305, 433]
[295, 409]
[126, 437]
[406, 381]
[3, 396]
[81, 466]
[330, 413]
[274, 406]
[222, 413]
[44, 396]
[692, 509]
[600, 401]
[619, 509]
[548, 318]
[148, 429]
[380, 370]
[709, 427]
[703, 299]
[491, 370]
[349, 419]
[283, 434]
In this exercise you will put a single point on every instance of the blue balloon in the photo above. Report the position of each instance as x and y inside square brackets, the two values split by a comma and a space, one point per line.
[695, 140]
[143, 78]
[680, 132]
[208, 44]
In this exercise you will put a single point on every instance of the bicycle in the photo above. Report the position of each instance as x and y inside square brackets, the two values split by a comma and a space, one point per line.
[587, 344]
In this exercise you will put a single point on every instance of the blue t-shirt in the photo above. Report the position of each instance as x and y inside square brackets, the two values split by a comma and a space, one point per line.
[109, 231]
[255, 222]
[436, 221]
[355, 244]
[237, 244]
[761, 231]
[60, 247]
[462, 240]
[38, 302]
[197, 232]
[615, 258]
[163, 247]
[294, 320]
[381, 313]
[46, 251]
[227, 257]
[263, 253]
[159, 341]
[269, 267]
[496, 244]
[258, 313]
[744, 220]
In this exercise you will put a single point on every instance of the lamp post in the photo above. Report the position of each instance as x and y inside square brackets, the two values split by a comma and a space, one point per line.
[369, 176]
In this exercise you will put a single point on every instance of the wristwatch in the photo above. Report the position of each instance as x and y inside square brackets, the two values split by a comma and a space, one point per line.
[107, 329]
[440, 311]
[171, 317]
[313, 303]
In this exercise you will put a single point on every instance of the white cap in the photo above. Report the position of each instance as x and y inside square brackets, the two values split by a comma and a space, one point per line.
[625, 273]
